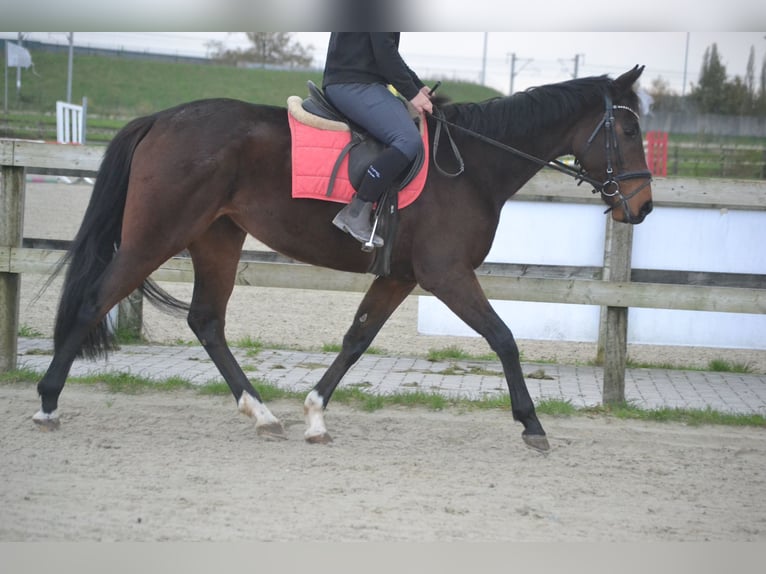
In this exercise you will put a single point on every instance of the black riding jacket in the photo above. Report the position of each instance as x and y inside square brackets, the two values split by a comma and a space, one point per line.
[369, 57]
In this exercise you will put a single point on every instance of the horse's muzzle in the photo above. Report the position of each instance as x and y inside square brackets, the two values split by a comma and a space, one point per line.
[645, 210]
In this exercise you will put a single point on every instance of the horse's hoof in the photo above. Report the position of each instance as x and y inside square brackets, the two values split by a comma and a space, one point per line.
[46, 421]
[323, 438]
[271, 430]
[538, 442]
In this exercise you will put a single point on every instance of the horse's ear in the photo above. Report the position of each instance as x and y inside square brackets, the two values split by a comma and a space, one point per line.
[626, 81]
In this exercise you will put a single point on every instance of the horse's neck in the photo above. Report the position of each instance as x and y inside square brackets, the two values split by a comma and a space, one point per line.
[545, 148]
[552, 142]
[549, 141]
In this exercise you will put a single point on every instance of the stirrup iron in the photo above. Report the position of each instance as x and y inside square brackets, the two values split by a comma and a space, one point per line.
[368, 246]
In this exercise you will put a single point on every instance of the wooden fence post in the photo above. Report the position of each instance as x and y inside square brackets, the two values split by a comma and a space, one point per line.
[130, 315]
[613, 334]
[11, 232]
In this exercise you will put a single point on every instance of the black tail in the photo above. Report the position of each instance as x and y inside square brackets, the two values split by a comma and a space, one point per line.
[96, 242]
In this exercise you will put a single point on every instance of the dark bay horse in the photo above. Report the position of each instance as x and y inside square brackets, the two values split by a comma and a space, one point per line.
[202, 175]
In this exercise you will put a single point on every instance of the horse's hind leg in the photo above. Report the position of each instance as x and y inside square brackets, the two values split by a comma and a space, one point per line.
[381, 300]
[52, 383]
[215, 256]
[124, 273]
[463, 294]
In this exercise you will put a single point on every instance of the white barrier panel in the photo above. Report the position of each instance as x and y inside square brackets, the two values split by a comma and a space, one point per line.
[687, 239]
[683, 239]
[70, 123]
[724, 241]
[527, 320]
[549, 234]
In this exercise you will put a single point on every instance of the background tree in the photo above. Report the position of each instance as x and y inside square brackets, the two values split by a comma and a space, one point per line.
[750, 73]
[663, 98]
[709, 94]
[749, 105]
[268, 48]
[737, 99]
[760, 104]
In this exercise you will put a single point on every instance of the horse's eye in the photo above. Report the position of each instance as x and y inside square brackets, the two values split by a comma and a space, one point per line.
[630, 130]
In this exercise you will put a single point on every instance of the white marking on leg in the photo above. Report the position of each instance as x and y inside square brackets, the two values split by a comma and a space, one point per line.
[46, 418]
[313, 408]
[254, 408]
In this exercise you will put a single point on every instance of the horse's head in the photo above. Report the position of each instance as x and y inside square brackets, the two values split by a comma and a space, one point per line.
[612, 152]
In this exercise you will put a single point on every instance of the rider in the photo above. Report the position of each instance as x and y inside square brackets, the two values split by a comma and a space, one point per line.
[359, 67]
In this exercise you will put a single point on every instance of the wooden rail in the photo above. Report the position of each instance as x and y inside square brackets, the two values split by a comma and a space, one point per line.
[616, 287]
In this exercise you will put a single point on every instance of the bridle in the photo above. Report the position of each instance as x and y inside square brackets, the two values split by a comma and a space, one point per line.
[608, 189]
[611, 187]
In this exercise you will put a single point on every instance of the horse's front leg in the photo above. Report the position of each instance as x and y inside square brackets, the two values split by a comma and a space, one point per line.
[462, 293]
[382, 298]
[215, 255]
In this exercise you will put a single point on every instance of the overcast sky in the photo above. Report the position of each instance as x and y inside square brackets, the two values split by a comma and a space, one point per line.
[541, 57]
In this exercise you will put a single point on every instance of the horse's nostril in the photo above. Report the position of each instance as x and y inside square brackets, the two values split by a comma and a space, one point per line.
[646, 209]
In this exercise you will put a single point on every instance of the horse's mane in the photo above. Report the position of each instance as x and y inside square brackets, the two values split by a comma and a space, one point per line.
[528, 112]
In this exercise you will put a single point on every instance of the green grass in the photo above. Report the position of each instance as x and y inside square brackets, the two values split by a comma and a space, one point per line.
[131, 384]
[694, 417]
[455, 353]
[357, 397]
[119, 89]
[715, 365]
[336, 348]
[705, 155]
[20, 376]
[707, 138]
[253, 346]
[631, 364]
[214, 389]
[432, 401]
[128, 336]
[455, 369]
[555, 408]
[29, 332]
[724, 366]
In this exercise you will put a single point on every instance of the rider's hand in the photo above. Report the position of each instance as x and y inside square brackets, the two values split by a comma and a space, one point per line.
[422, 102]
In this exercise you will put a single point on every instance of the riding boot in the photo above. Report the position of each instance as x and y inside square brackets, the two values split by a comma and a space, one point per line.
[355, 220]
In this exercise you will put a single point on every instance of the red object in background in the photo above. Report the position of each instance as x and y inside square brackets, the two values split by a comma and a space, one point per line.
[657, 153]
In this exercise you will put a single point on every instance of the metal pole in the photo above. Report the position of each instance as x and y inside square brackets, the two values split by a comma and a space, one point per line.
[18, 73]
[484, 61]
[69, 69]
[513, 71]
[5, 99]
[84, 118]
[686, 65]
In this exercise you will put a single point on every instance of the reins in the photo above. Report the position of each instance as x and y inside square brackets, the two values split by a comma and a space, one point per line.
[557, 165]
[578, 173]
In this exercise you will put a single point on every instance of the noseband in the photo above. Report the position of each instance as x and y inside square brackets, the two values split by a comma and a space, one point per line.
[608, 189]
[611, 187]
